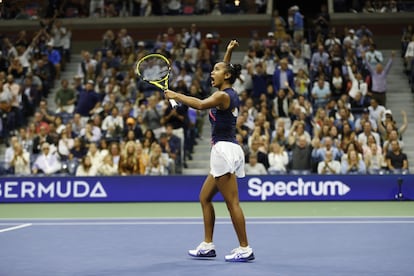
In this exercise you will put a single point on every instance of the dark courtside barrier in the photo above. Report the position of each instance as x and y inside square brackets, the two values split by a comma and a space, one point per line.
[186, 188]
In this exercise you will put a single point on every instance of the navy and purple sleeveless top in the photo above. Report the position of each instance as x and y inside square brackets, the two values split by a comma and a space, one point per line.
[223, 122]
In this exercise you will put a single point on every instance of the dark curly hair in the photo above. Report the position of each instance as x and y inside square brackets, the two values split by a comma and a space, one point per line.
[234, 70]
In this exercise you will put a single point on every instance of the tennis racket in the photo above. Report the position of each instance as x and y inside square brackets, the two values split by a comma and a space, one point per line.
[155, 69]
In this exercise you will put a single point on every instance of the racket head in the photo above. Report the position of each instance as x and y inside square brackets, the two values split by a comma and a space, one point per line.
[155, 69]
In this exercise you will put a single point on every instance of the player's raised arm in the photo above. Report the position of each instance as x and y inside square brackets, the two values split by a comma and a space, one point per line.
[227, 56]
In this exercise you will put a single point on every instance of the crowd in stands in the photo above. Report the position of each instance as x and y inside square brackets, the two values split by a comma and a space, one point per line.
[310, 103]
[374, 6]
[25, 9]
[317, 103]
[407, 53]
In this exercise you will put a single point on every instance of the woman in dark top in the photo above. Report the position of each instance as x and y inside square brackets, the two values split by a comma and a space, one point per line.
[227, 157]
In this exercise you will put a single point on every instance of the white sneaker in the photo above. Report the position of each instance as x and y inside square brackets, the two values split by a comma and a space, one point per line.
[204, 250]
[240, 254]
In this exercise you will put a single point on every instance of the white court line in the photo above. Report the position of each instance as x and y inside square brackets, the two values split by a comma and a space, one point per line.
[200, 218]
[114, 223]
[15, 227]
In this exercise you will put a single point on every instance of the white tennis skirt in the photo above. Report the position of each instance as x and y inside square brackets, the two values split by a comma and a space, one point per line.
[226, 157]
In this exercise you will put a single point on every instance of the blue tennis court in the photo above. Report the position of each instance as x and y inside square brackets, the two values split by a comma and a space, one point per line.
[283, 246]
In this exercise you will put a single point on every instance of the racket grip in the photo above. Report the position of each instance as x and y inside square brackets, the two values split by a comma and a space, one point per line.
[173, 103]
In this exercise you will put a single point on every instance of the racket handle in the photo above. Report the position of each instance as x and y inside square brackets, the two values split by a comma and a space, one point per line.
[173, 103]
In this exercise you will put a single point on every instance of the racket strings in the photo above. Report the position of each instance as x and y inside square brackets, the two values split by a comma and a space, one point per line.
[154, 69]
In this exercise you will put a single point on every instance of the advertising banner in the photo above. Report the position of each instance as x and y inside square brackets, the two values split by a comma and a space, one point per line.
[187, 188]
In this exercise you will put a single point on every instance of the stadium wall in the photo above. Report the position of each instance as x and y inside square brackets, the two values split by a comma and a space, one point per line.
[186, 188]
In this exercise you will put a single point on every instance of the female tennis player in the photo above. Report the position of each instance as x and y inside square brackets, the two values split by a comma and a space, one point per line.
[226, 160]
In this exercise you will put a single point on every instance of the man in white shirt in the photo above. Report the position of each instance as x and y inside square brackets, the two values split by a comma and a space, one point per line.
[113, 124]
[351, 39]
[46, 162]
[376, 111]
[9, 153]
[329, 166]
[409, 53]
[90, 133]
[367, 131]
[373, 56]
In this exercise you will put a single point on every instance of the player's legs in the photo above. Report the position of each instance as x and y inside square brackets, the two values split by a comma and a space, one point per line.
[227, 185]
[208, 191]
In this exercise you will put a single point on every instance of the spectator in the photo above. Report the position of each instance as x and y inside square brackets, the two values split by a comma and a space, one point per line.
[353, 164]
[379, 75]
[297, 130]
[396, 160]
[87, 67]
[278, 159]
[260, 154]
[30, 98]
[283, 77]
[40, 138]
[282, 103]
[255, 168]
[373, 56]
[302, 82]
[95, 154]
[393, 136]
[152, 115]
[357, 82]
[78, 150]
[90, 133]
[21, 161]
[26, 139]
[86, 167]
[301, 152]
[88, 101]
[389, 125]
[164, 159]
[192, 40]
[174, 143]
[367, 131]
[365, 117]
[298, 62]
[65, 145]
[65, 98]
[351, 40]
[319, 151]
[10, 153]
[107, 168]
[376, 111]
[155, 167]
[259, 80]
[47, 162]
[321, 93]
[329, 165]
[129, 163]
[409, 54]
[374, 160]
[280, 136]
[55, 59]
[113, 125]
[298, 24]
[323, 20]
[132, 126]
[319, 59]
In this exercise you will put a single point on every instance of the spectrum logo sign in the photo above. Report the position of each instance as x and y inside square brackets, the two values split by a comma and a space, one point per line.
[296, 188]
